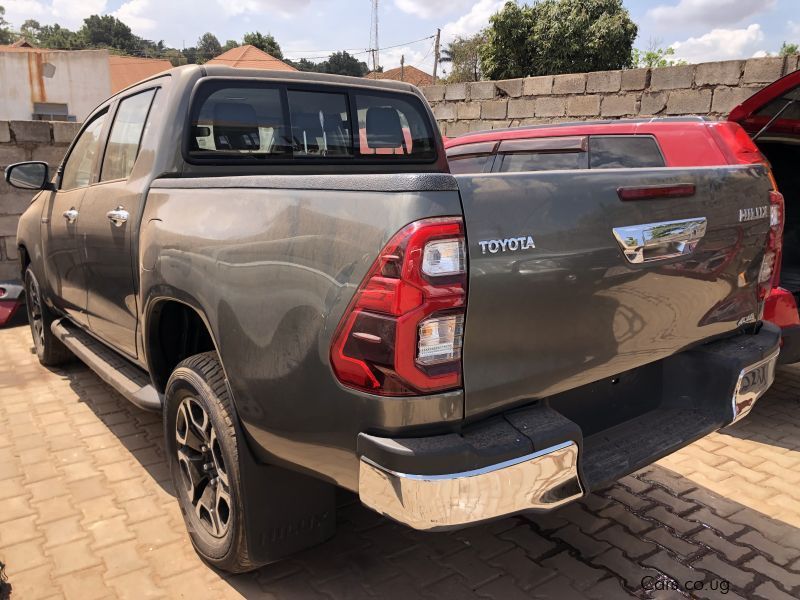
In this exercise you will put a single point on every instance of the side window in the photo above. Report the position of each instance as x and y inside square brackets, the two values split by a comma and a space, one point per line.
[469, 164]
[78, 168]
[125, 137]
[542, 161]
[618, 151]
[320, 124]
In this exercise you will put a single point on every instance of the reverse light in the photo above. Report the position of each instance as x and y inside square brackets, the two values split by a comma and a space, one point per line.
[401, 334]
[440, 339]
[444, 257]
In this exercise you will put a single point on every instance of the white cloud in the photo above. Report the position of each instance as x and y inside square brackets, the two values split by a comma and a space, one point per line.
[426, 9]
[708, 12]
[134, 14]
[794, 28]
[472, 22]
[720, 44]
[283, 8]
[71, 14]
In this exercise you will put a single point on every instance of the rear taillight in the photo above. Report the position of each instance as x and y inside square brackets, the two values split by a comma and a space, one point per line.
[769, 275]
[401, 334]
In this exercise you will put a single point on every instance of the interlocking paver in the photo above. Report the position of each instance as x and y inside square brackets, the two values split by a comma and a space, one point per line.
[87, 512]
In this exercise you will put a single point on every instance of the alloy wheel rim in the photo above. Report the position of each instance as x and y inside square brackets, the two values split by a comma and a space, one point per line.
[34, 304]
[203, 473]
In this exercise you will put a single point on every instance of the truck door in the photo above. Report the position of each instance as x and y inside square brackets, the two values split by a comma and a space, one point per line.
[64, 269]
[109, 222]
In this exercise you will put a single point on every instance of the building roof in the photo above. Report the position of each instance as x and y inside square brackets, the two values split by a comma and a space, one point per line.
[127, 70]
[250, 57]
[409, 74]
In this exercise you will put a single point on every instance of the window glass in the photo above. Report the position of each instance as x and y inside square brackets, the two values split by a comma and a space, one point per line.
[791, 113]
[243, 121]
[612, 152]
[320, 124]
[392, 126]
[126, 134]
[78, 168]
[543, 161]
[469, 164]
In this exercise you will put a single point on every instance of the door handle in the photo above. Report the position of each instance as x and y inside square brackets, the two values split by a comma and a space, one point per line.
[118, 216]
[653, 242]
[70, 215]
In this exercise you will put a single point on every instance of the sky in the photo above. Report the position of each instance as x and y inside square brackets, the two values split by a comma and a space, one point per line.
[698, 30]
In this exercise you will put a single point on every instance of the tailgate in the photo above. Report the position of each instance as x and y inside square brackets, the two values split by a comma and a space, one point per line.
[555, 303]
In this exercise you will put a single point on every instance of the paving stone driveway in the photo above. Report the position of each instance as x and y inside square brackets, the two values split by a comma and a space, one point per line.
[86, 511]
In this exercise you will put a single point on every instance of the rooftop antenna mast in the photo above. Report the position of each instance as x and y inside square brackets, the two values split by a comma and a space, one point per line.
[373, 36]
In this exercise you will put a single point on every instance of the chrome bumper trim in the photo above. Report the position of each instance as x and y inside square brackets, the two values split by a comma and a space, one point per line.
[542, 480]
[747, 391]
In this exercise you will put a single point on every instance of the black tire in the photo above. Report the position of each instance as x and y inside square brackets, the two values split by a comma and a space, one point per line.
[49, 349]
[193, 442]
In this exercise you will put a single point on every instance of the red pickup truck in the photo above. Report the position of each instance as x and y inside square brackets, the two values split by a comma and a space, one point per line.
[763, 129]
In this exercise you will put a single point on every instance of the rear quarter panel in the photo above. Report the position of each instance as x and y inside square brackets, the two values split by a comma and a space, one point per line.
[272, 263]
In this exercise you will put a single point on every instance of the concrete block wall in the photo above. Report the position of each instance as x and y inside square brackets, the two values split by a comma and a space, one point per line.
[25, 140]
[707, 89]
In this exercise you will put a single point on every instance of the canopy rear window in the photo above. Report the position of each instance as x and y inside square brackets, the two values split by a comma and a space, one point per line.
[247, 121]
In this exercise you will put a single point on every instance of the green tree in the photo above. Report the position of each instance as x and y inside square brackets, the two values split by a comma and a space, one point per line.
[109, 32]
[654, 56]
[230, 45]
[267, 43]
[208, 47]
[463, 56]
[551, 37]
[787, 49]
[6, 35]
[30, 31]
[343, 63]
[55, 36]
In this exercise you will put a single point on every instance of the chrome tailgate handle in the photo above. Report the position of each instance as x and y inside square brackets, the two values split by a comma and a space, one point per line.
[653, 242]
[118, 216]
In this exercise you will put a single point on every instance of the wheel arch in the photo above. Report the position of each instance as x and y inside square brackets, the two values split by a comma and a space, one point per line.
[175, 329]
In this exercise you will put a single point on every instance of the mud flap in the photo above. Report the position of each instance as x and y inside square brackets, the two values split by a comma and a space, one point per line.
[284, 511]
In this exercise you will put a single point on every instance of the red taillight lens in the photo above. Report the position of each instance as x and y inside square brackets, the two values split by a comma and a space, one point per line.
[769, 275]
[401, 333]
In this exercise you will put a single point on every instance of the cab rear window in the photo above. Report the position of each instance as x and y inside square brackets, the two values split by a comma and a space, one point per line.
[249, 121]
[624, 151]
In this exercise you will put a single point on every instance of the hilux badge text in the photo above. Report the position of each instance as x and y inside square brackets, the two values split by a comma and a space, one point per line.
[523, 242]
[752, 214]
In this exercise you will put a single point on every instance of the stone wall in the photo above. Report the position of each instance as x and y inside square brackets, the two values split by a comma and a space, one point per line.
[708, 89]
[25, 140]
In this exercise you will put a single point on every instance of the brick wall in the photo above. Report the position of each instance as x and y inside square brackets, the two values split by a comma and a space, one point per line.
[25, 140]
[709, 89]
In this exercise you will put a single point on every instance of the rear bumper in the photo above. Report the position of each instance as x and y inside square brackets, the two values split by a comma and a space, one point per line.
[11, 299]
[535, 459]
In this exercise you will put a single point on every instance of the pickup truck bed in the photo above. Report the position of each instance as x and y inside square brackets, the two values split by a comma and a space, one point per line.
[287, 269]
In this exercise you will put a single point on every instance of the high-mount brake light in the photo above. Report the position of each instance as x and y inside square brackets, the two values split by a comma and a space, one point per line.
[401, 334]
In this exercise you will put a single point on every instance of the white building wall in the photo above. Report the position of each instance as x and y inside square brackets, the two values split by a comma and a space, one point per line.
[79, 78]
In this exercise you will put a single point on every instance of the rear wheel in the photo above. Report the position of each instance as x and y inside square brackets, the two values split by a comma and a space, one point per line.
[50, 351]
[203, 447]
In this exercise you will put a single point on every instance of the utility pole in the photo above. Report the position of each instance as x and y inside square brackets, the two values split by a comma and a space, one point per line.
[436, 54]
[373, 37]
[402, 67]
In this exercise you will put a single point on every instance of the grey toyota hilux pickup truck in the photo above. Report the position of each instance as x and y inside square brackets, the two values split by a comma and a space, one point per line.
[284, 266]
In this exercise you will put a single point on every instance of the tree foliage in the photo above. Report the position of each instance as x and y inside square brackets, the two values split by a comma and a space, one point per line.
[654, 56]
[338, 63]
[788, 49]
[551, 37]
[230, 45]
[463, 57]
[267, 43]
[208, 47]
[6, 35]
